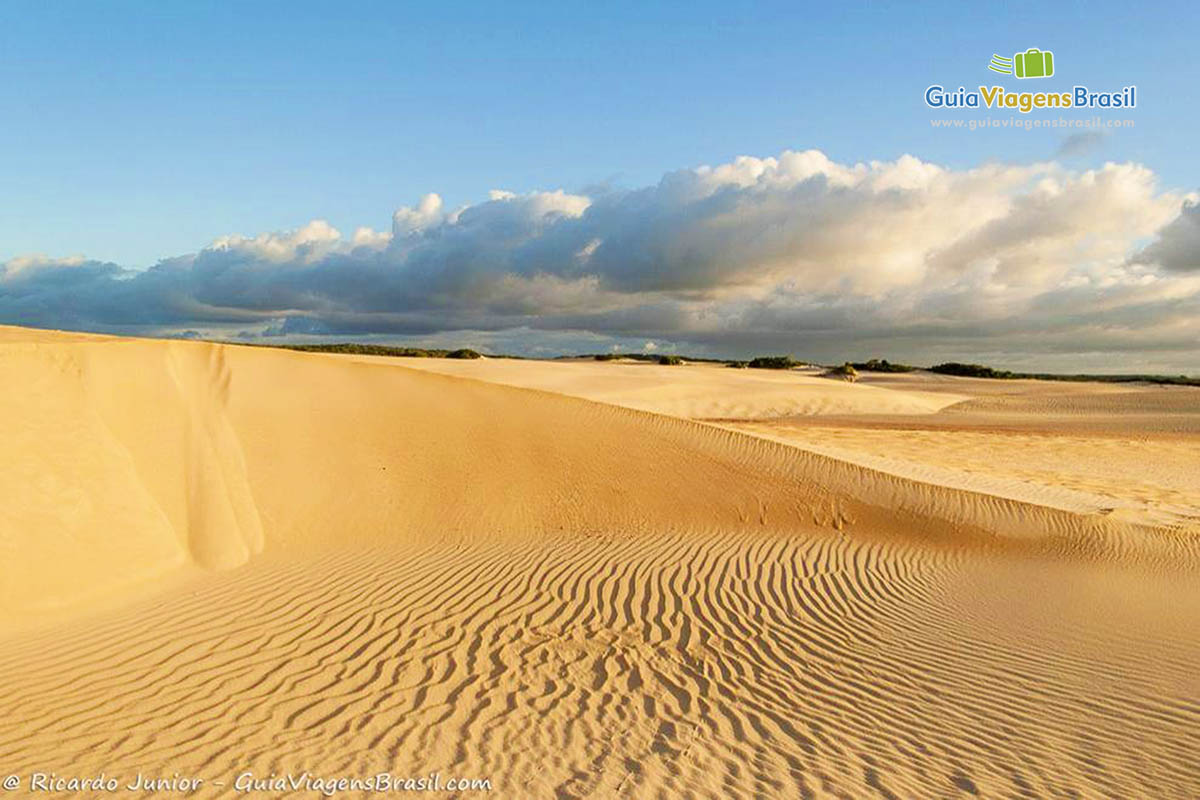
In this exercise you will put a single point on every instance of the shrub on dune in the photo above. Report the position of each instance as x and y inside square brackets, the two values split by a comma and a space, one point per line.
[845, 372]
[881, 365]
[970, 370]
[775, 362]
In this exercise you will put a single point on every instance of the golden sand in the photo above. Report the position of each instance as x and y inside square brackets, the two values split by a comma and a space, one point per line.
[593, 580]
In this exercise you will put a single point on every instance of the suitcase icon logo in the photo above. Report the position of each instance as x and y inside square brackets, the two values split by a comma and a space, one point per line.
[1033, 63]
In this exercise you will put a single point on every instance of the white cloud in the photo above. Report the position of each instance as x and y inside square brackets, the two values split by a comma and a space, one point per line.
[35, 261]
[306, 244]
[797, 252]
[426, 213]
[370, 238]
[1177, 246]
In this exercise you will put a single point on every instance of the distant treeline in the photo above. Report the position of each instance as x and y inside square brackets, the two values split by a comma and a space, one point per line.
[351, 348]
[971, 370]
[980, 371]
[881, 365]
[651, 357]
[759, 362]
[774, 362]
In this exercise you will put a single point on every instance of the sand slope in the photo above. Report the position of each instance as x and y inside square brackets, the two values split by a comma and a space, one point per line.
[1128, 450]
[695, 391]
[268, 561]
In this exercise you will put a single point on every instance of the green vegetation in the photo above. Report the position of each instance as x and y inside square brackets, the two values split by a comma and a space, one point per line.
[761, 362]
[648, 357]
[846, 372]
[774, 362]
[881, 365]
[980, 371]
[970, 370]
[352, 348]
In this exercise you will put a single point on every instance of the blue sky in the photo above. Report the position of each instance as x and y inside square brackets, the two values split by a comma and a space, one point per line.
[205, 169]
[137, 130]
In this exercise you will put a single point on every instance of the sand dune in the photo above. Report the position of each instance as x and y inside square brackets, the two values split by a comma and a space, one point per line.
[696, 391]
[221, 560]
[1089, 448]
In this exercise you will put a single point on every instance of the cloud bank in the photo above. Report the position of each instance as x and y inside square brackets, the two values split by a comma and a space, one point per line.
[1026, 265]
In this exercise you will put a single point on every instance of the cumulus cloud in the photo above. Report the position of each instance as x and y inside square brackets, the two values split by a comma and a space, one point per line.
[1177, 246]
[796, 253]
[426, 213]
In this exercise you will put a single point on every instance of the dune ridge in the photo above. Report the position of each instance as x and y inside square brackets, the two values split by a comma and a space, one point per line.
[343, 566]
[694, 392]
[1050, 519]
